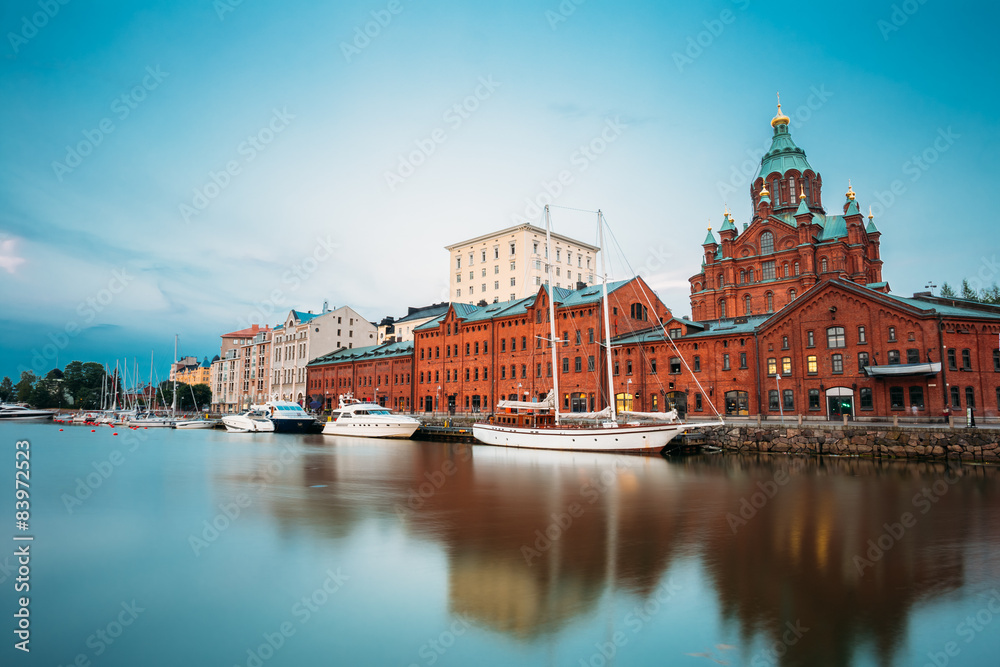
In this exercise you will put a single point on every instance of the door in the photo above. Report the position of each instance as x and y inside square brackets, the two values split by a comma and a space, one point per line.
[429, 404]
[451, 403]
[578, 402]
[677, 400]
[838, 406]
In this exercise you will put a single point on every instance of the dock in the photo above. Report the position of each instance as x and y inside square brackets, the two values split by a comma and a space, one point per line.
[446, 433]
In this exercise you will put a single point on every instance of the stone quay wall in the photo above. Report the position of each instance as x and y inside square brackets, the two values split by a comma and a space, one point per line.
[967, 444]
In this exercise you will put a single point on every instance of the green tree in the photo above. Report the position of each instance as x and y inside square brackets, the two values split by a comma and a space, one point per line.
[991, 294]
[203, 396]
[24, 388]
[968, 292]
[6, 389]
[47, 393]
[948, 291]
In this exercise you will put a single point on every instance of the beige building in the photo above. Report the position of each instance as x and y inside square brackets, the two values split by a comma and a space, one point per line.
[392, 330]
[303, 336]
[240, 377]
[512, 264]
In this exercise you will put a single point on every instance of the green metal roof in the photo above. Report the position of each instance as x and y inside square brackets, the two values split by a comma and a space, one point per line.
[395, 349]
[783, 155]
[952, 311]
[852, 208]
[709, 239]
[803, 208]
[728, 225]
[871, 228]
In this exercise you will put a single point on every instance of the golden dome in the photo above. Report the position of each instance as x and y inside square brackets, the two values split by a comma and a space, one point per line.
[763, 189]
[850, 191]
[802, 191]
[779, 118]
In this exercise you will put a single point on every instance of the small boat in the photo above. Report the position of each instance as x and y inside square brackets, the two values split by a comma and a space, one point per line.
[289, 417]
[251, 421]
[13, 412]
[368, 420]
[196, 423]
[149, 420]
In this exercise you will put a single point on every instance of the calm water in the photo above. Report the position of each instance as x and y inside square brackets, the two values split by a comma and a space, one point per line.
[369, 552]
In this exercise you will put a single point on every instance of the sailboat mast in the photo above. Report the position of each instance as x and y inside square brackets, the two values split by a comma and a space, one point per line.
[607, 321]
[173, 403]
[552, 311]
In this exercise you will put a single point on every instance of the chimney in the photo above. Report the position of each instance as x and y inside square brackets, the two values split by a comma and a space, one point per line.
[326, 306]
[580, 285]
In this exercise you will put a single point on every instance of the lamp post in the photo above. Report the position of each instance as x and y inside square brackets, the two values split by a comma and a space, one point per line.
[781, 407]
[628, 391]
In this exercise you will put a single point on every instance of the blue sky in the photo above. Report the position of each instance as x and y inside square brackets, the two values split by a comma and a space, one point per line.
[187, 167]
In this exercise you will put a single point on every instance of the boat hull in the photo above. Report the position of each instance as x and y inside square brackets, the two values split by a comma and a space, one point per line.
[28, 418]
[243, 424]
[356, 429]
[297, 426]
[651, 438]
[197, 423]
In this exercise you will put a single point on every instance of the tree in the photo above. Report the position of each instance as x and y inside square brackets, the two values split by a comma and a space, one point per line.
[6, 389]
[25, 386]
[54, 374]
[947, 291]
[203, 396]
[991, 294]
[968, 292]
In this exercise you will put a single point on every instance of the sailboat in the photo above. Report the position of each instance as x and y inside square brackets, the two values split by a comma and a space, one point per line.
[539, 425]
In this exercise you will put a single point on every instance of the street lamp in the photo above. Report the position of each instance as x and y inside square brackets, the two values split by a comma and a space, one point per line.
[781, 408]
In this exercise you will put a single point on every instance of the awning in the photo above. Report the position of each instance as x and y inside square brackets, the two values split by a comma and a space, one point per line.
[902, 370]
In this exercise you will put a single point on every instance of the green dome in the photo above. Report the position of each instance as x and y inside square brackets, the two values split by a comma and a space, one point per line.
[784, 155]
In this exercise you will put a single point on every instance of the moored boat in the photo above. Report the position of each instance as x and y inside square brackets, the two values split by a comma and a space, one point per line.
[251, 421]
[289, 417]
[14, 412]
[368, 420]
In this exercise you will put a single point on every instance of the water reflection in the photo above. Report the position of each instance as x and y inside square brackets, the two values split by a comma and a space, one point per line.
[847, 548]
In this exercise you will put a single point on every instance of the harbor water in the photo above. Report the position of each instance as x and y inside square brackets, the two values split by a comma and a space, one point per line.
[163, 547]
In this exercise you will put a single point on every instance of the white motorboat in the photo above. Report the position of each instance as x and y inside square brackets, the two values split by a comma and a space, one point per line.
[13, 412]
[368, 420]
[289, 417]
[196, 423]
[539, 425]
[251, 421]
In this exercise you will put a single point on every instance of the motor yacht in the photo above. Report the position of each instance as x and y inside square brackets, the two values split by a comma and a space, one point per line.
[251, 421]
[13, 412]
[368, 420]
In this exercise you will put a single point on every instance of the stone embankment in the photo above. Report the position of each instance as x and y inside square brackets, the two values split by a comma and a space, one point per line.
[967, 444]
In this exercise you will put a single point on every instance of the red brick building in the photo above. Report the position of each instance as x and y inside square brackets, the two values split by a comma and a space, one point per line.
[790, 316]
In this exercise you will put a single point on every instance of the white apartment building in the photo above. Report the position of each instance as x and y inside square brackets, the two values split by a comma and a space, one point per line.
[303, 336]
[512, 264]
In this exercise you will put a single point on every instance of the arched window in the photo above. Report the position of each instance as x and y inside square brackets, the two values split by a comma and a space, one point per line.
[746, 305]
[766, 243]
[769, 302]
[795, 268]
[722, 280]
[722, 308]
[806, 184]
[822, 265]
[743, 276]
[791, 295]
[750, 275]
[786, 269]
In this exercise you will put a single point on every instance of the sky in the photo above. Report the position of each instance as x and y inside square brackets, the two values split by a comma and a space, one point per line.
[188, 168]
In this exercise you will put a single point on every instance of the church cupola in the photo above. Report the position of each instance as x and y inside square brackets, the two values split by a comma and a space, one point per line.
[763, 204]
[785, 172]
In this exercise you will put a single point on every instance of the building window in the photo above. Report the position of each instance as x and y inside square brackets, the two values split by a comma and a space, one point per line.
[837, 361]
[893, 357]
[786, 366]
[652, 366]
[538, 370]
[743, 276]
[697, 363]
[835, 337]
[769, 302]
[638, 312]
[810, 339]
[811, 366]
[750, 275]
[772, 366]
[822, 265]
[513, 250]
[795, 268]
[788, 399]
[767, 248]
[725, 362]
[503, 372]
[628, 367]
[746, 305]
[912, 356]
[862, 336]
[996, 361]
[698, 408]
[814, 399]
[791, 295]
[772, 400]
[617, 369]
[743, 360]
[956, 402]
[786, 269]
[952, 363]
[966, 360]
[784, 342]
[565, 365]
[862, 361]
[866, 398]
[970, 398]
[917, 398]
[577, 364]
[675, 365]
[892, 334]
[895, 398]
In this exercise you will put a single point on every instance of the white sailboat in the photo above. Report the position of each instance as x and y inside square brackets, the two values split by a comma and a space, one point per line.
[539, 425]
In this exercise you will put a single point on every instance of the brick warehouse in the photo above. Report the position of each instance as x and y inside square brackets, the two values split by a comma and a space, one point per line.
[791, 316]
